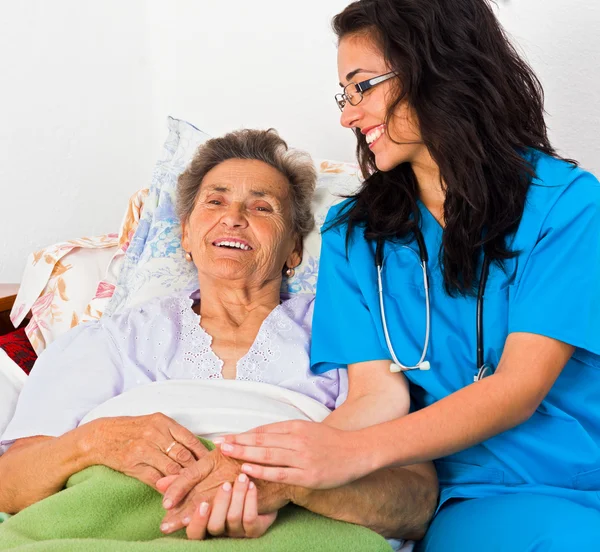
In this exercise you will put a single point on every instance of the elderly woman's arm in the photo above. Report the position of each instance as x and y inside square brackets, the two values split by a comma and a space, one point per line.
[37, 467]
[79, 371]
[396, 502]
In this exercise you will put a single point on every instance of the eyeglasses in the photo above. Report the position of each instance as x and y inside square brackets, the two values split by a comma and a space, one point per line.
[353, 93]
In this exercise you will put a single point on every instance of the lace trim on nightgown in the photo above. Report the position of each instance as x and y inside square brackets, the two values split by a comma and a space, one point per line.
[205, 364]
[197, 350]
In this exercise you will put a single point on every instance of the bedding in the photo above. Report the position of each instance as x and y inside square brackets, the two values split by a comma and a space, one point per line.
[101, 509]
[12, 379]
[18, 348]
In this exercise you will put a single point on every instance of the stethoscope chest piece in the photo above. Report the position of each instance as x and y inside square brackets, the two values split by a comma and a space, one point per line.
[395, 368]
[483, 372]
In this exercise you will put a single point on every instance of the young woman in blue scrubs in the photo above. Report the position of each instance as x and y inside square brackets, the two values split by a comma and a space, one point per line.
[453, 142]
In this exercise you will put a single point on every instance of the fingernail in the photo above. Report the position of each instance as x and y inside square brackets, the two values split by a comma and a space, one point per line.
[164, 527]
[227, 447]
[186, 521]
[247, 468]
[227, 486]
[167, 503]
[203, 508]
[252, 485]
[218, 440]
[243, 478]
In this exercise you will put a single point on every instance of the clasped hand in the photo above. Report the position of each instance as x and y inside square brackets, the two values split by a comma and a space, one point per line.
[213, 497]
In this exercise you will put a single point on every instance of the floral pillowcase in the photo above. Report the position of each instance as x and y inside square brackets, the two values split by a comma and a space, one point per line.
[71, 282]
[154, 263]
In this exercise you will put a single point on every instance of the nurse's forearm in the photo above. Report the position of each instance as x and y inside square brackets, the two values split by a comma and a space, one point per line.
[396, 503]
[528, 369]
[457, 422]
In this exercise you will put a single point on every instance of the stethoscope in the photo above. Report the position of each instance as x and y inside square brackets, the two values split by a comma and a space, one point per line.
[483, 369]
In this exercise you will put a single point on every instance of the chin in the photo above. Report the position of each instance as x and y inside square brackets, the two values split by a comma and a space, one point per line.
[385, 163]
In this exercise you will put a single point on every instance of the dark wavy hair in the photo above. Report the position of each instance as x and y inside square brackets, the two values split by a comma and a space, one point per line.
[480, 110]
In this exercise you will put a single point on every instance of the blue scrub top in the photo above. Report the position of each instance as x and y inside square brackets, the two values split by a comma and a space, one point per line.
[551, 288]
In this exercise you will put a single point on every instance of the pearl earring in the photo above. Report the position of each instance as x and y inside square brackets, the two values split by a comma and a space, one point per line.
[188, 256]
[290, 272]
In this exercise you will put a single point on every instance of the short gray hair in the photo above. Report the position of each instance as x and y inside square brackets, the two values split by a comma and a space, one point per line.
[259, 145]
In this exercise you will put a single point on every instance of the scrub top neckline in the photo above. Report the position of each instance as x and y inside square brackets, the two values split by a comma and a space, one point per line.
[428, 214]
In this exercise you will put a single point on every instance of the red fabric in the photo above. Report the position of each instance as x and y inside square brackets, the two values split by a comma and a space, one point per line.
[19, 349]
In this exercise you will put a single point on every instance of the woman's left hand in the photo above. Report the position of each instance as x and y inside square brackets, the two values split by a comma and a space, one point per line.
[307, 454]
[233, 513]
[201, 482]
[195, 484]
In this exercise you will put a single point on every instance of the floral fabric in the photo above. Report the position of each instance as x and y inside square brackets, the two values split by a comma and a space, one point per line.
[71, 282]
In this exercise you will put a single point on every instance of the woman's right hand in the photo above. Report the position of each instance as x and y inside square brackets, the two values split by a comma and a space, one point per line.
[145, 447]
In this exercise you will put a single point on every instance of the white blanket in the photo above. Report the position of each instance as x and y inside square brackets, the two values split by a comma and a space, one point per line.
[212, 408]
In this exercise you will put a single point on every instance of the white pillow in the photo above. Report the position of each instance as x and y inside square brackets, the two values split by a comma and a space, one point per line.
[155, 264]
[12, 379]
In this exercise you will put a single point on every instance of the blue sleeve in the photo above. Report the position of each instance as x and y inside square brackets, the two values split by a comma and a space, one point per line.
[558, 293]
[77, 372]
[343, 327]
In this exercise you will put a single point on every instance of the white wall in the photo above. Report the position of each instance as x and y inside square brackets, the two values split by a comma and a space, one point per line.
[561, 41]
[86, 87]
[75, 136]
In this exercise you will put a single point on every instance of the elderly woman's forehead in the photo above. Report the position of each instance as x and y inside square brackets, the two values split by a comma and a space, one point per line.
[244, 173]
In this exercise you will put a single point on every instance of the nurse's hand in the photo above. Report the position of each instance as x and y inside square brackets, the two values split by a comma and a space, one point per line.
[307, 454]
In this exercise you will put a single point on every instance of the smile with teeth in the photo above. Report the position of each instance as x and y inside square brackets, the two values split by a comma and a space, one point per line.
[375, 133]
[232, 244]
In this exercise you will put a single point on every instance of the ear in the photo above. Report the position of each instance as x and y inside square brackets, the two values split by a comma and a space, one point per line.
[185, 242]
[295, 257]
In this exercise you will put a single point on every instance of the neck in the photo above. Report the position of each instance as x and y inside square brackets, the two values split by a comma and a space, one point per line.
[431, 191]
[232, 302]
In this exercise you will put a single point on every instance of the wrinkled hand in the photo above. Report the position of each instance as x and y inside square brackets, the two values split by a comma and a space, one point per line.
[200, 482]
[233, 513]
[195, 484]
[145, 447]
[307, 454]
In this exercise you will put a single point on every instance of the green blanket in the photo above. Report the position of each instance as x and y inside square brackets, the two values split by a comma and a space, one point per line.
[103, 510]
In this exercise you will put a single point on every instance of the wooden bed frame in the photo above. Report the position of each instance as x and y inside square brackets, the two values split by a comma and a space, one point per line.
[8, 294]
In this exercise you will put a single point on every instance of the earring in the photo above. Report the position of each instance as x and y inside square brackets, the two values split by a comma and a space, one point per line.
[290, 272]
[188, 256]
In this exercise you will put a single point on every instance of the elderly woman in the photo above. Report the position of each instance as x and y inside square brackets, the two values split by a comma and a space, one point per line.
[244, 204]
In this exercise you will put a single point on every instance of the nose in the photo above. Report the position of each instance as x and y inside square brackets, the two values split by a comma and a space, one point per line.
[351, 115]
[235, 216]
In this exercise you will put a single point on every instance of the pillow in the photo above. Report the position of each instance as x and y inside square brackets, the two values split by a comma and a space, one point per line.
[71, 282]
[58, 283]
[155, 264]
[12, 379]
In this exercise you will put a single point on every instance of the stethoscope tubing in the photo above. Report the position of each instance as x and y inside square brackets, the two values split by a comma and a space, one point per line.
[482, 368]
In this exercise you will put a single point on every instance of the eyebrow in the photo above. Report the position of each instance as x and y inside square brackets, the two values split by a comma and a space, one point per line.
[255, 193]
[352, 74]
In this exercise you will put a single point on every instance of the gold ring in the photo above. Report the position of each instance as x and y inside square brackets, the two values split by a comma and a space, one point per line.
[170, 447]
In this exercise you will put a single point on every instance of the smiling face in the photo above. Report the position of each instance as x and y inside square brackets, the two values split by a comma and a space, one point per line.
[241, 225]
[360, 59]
